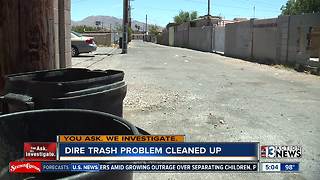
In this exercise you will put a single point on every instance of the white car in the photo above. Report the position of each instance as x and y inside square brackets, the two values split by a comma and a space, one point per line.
[81, 44]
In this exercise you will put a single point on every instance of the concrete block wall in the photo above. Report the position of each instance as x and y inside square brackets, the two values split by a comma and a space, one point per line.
[164, 38]
[238, 40]
[200, 38]
[181, 35]
[101, 39]
[256, 40]
[265, 38]
[315, 42]
[178, 37]
[299, 26]
[283, 38]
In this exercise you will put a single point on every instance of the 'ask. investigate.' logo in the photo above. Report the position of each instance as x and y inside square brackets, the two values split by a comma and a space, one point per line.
[25, 167]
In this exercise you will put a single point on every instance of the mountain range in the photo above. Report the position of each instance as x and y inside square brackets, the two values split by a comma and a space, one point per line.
[106, 20]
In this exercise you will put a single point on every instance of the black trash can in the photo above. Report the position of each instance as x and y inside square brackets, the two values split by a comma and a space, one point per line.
[44, 125]
[65, 88]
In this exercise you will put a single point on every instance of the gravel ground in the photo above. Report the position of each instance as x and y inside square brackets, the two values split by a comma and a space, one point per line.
[209, 97]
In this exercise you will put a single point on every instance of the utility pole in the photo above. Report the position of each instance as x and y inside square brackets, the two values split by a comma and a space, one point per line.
[125, 27]
[111, 34]
[254, 11]
[145, 38]
[209, 23]
[209, 4]
[147, 24]
[130, 19]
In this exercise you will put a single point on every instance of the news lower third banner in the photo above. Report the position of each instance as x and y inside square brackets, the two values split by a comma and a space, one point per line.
[56, 167]
[169, 151]
[149, 167]
[119, 138]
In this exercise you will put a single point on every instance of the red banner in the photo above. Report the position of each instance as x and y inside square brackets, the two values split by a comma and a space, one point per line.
[40, 151]
[25, 167]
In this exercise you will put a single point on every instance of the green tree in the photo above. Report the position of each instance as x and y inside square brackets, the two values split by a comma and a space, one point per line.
[295, 7]
[193, 15]
[154, 29]
[185, 16]
[118, 28]
[137, 27]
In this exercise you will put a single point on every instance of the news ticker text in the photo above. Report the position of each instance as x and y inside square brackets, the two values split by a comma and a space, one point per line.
[56, 167]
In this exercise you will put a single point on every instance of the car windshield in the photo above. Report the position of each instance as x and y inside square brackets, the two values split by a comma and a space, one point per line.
[77, 34]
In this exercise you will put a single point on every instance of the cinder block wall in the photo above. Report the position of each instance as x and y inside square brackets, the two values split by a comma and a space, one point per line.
[181, 35]
[238, 40]
[265, 38]
[283, 38]
[200, 38]
[101, 39]
[164, 38]
[257, 40]
[299, 26]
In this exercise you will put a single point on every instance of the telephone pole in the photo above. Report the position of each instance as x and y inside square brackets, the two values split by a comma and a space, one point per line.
[147, 24]
[209, 4]
[130, 18]
[209, 23]
[146, 33]
[125, 27]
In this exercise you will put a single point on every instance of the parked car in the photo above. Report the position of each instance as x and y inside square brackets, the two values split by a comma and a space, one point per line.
[81, 44]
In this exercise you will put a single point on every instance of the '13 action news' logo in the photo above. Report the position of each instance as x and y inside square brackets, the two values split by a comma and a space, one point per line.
[281, 151]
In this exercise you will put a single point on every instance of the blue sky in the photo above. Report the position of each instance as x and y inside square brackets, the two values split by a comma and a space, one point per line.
[161, 12]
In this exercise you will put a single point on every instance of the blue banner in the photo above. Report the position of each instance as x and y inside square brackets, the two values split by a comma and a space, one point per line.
[159, 151]
[56, 167]
[290, 167]
[149, 167]
[88, 167]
